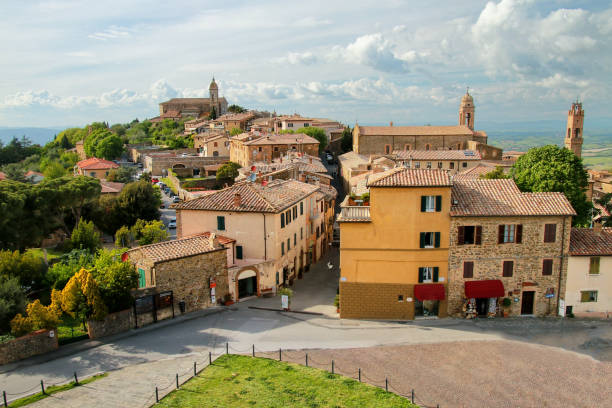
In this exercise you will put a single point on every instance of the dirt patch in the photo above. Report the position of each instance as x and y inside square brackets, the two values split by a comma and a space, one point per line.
[476, 374]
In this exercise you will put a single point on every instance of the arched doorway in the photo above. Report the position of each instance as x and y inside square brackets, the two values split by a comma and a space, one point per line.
[247, 283]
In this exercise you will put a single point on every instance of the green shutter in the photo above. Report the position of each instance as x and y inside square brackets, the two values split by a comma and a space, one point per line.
[423, 204]
[436, 272]
[422, 242]
[238, 251]
[220, 223]
[437, 240]
[438, 203]
[142, 281]
[282, 220]
[282, 248]
[421, 275]
[302, 208]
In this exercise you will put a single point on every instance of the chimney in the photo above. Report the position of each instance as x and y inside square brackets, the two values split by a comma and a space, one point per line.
[310, 160]
[597, 227]
[237, 200]
[213, 241]
[391, 123]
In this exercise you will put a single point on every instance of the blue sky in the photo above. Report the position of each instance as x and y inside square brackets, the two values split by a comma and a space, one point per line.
[74, 62]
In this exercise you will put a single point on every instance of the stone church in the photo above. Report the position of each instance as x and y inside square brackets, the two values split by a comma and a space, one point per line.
[177, 108]
[369, 140]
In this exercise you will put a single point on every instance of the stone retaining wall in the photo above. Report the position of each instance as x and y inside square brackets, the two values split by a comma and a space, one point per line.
[113, 323]
[32, 344]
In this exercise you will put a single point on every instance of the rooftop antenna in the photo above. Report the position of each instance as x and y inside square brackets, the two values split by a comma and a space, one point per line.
[467, 91]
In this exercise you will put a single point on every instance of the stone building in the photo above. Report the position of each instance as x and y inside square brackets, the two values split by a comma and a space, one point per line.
[230, 121]
[575, 124]
[452, 160]
[186, 266]
[177, 108]
[386, 139]
[187, 165]
[247, 148]
[506, 243]
[94, 167]
[589, 273]
[212, 144]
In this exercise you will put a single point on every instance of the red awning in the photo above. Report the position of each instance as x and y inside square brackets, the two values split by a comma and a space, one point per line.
[431, 291]
[484, 289]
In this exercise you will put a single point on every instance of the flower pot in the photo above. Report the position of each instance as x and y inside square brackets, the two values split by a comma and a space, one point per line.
[337, 310]
[506, 313]
[229, 302]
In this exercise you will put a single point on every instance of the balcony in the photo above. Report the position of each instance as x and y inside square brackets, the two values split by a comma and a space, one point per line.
[354, 214]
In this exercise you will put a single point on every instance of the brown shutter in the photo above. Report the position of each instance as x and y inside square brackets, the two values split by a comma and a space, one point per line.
[500, 234]
[460, 235]
[468, 269]
[550, 232]
[519, 233]
[547, 267]
[478, 237]
[507, 269]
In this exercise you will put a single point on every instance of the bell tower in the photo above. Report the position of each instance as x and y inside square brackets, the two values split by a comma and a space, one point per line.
[575, 123]
[467, 110]
[213, 89]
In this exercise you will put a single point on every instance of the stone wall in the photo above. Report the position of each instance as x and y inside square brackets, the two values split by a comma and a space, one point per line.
[32, 344]
[375, 144]
[113, 323]
[379, 301]
[527, 256]
[487, 152]
[156, 164]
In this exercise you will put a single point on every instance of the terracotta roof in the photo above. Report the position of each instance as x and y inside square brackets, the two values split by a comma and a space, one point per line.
[586, 241]
[328, 191]
[414, 130]
[286, 138]
[272, 198]
[479, 197]
[437, 155]
[481, 169]
[179, 248]
[34, 173]
[111, 187]
[403, 177]
[2, 176]
[96, 164]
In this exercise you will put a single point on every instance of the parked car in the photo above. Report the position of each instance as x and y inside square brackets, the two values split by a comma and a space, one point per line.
[176, 199]
[162, 205]
[330, 159]
[172, 225]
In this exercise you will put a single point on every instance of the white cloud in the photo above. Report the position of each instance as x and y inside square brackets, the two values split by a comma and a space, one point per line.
[111, 33]
[300, 58]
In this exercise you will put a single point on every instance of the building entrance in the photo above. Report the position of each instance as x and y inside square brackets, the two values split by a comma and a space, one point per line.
[527, 303]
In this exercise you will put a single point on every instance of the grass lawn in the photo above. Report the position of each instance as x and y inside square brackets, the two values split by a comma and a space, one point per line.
[52, 390]
[51, 253]
[242, 381]
[70, 329]
[170, 184]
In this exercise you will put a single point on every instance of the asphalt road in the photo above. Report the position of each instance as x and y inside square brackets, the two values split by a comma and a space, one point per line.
[168, 214]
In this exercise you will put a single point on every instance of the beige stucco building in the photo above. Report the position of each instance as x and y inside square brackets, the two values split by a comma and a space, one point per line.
[589, 273]
[94, 167]
[247, 148]
[272, 224]
[212, 144]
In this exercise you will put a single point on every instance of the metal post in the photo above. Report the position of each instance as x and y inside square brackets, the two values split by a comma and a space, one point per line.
[72, 331]
[360, 375]
[156, 395]
[412, 396]
[210, 358]
[4, 397]
[253, 350]
[386, 384]
[177, 385]
[42, 387]
[195, 370]
[76, 379]
[306, 359]
[332, 366]
[226, 348]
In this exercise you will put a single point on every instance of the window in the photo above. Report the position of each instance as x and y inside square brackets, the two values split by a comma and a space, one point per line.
[469, 234]
[215, 144]
[464, 164]
[430, 240]
[277, 278]
[428, 274]
[431, 203]
[588, 296]
[417, 165]
[282, 220]
[318, 232]
[92, 174]
[468, 269]
[458, 146]
[301, 233]
[594, 266]
[451, 165]
[288, 244]
[510, 233]
[302, 208]
[547, 267]
[221, 223]
[439, 165]
[387, 149]
[407, 147]
[259, 148]
[288, 217]
[550, 232]
[276, 148]
[508, 267]
[400, 298]
[427, 147]
[428, 165]
[295, 212]
[282, 248]
[289, 124]
[306, 125]
[294, 239]
[142, 281]
[238, 251]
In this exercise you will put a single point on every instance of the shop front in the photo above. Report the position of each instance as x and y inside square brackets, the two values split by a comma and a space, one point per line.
[482, 298]
[427, 299]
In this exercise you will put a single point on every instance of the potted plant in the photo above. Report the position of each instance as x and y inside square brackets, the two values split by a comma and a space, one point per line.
[506, 303]
[337, 303]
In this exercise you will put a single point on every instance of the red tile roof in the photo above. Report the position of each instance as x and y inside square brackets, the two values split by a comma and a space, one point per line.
[111, 187]
[272, 198]
[96, 164]
[478, 197]
[403, 177]
[2, 176]
[415, 130]
[274, 139]
[180, 248]
[437, 155]
[586, 241]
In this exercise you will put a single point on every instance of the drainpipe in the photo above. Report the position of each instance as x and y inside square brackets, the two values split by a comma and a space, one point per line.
[561, 266]
[265, 238]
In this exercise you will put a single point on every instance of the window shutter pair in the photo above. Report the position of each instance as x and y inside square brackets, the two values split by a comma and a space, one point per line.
[437, 240]
[436, 273]
[460, 235]
[423, 204]
[547, 267]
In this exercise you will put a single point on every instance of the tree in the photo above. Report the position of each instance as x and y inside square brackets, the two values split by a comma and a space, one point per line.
[85, 236]
[123, 237]
[550, 168]
[498, 173]
[103, 143]
[347, 140]
[26, 267]
[14, 172]
[314, 132]
[228, 171]
[38, 316]
[115, 279]
[236, 109]
[236, 131]
[146, 177]
[60, 273]
[151, 233]
[12, 301]
[137, 200]
[81, 297]
[605, 202]
[122, 175]
[213, 114]
[54, 170]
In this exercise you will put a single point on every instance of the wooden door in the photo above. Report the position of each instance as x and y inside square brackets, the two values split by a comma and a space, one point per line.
[527, 303]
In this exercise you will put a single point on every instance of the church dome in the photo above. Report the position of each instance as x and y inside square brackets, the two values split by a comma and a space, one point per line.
[467, 98]
[213, 84]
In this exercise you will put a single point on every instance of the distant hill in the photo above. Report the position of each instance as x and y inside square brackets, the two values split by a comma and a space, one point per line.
[37, 135]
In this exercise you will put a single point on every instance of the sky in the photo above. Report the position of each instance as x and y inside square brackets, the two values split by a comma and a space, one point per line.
[68, 63]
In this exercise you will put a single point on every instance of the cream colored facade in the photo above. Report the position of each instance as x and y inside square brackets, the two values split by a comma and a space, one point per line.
[212, 145]
[580, 280]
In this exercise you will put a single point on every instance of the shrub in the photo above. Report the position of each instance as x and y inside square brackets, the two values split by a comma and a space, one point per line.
[85, 236]
[123, 237]
[12, 301]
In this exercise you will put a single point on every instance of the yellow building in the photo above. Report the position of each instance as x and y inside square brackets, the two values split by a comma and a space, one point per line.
[394, 251]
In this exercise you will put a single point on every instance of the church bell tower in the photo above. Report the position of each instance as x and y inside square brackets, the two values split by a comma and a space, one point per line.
[575, 123]
[467, 110]
[213, 90]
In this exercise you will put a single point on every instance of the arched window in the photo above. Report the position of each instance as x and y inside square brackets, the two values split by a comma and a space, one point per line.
[427, 147]
[577, 132]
